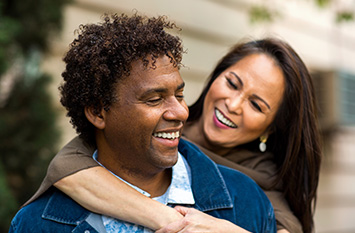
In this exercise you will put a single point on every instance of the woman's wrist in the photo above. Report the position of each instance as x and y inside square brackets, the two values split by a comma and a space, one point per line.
[162, 215]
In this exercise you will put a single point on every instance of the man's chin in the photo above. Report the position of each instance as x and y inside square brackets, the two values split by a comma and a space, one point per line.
[168, 160]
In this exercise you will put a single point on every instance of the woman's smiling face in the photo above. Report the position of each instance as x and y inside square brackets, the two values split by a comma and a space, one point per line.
[242, 102]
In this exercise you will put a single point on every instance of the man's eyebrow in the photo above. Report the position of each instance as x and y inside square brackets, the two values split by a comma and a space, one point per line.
[181, 86]
[235, 75]
[162, 90]
[259, 98]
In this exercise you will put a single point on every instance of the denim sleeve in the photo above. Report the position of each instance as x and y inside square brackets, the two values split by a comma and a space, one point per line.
[271, 222]
[14, 225]
[12, 228]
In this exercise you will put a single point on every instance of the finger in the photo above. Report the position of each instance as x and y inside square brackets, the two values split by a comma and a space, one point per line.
[182, 210]
[172, 227]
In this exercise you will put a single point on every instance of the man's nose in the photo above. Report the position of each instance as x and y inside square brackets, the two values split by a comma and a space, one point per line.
[234, 104]
[177, 110]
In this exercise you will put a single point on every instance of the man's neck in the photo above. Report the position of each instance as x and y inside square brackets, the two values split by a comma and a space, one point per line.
[155, 186]
[155, 183]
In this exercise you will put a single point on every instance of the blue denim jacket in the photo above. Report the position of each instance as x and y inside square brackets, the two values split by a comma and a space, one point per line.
[219, 191]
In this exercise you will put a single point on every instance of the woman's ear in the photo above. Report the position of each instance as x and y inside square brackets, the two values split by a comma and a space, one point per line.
[96, 118]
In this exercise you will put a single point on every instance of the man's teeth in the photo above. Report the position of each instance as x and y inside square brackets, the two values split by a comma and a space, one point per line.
[224, 120]
[171, 136]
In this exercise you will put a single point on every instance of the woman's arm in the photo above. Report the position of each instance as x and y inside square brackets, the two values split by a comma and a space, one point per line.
[99, 191]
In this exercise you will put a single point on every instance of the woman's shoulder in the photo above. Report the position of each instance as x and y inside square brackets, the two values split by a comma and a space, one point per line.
[76, 146]
[258, 166]
[73, 157]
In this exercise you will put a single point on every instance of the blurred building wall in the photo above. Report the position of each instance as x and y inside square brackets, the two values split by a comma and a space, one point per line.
[211, 27]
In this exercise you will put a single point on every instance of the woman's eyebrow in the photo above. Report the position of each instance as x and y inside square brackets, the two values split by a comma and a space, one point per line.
[239, 80]
[259, 98]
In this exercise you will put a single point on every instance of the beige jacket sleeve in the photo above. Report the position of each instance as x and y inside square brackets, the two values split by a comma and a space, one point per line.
[73, 157]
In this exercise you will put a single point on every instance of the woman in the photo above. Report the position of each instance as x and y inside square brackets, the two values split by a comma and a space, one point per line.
[243, 108]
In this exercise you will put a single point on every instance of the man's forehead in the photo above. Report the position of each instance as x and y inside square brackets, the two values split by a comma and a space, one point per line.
[157, 75]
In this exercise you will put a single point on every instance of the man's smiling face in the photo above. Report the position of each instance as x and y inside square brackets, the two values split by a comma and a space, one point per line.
[143, 127]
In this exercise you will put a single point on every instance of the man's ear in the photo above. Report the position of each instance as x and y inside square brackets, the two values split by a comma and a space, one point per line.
[96, 118]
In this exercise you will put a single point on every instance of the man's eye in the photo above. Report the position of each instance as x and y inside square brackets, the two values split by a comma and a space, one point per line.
[154, 101]
[232, 84]
[180, 96]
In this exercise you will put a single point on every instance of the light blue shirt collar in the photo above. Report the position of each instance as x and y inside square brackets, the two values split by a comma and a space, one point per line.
[179, 192]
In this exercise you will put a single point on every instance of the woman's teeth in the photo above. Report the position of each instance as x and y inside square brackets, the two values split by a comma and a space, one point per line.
[224, 120]
[171, 136]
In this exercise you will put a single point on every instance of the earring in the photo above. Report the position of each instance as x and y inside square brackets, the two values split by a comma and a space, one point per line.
[262, 145]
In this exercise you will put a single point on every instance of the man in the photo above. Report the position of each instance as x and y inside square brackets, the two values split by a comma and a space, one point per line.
[124, 94]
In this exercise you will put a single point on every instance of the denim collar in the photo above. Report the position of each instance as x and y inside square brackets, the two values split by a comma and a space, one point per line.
[60, 208]
[208, 185]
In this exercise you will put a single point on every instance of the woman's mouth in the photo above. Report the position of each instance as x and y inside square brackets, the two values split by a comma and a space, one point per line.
[222, 119]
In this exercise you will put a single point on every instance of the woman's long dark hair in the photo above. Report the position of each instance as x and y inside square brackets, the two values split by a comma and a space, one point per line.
[295, 139]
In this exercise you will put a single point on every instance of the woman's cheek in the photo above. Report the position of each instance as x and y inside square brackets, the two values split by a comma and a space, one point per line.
[255, 122]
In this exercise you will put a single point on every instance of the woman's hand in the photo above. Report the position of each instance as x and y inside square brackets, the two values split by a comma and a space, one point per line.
[197, 221]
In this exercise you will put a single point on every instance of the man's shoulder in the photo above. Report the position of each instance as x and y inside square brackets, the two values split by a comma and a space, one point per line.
[49, 211]
[236, 180]
[244, 182]
[237, 183]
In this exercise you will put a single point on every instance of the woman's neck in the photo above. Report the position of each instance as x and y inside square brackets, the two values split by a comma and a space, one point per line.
[194, 132]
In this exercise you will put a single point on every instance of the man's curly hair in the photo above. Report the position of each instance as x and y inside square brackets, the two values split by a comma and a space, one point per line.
[102, 54]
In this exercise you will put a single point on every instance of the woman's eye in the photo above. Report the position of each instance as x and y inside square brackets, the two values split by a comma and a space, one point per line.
[232, 84]
[256, 106]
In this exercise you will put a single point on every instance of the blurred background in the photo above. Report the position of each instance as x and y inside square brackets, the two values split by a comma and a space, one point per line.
[35, 34]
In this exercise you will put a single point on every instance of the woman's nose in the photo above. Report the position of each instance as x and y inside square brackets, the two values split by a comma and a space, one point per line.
[234, 104]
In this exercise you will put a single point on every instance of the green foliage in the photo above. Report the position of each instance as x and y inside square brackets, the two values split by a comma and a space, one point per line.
[7, 201]
[323, 3]
[28, 131]
[266, 13]
[9, 29]
[28, 136]
[345, 16]
[258, 14]
[341, 16]
[38, 20]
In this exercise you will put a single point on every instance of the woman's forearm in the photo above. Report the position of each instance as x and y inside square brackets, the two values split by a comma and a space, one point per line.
[99, 191]
[283, 231]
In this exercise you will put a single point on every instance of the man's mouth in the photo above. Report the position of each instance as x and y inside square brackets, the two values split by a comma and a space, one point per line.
[221, 118]
[165, 135]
